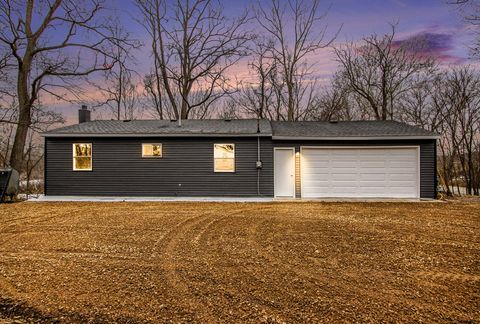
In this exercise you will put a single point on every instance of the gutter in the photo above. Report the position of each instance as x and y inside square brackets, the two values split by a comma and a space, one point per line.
[69, 135]
[354, 138]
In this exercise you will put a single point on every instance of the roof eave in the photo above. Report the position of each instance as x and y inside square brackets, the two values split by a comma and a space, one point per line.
[69, 135]
[355, 138]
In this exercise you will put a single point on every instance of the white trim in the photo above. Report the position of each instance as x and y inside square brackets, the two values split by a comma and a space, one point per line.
[73, 157]
[418, 171]
[417, 147]
[294, 171]
[355, 138]
[234, 159]
[153, 156]
[68, 135]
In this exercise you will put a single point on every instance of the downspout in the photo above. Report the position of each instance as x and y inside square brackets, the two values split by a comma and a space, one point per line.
[258, 157]
[435, 171]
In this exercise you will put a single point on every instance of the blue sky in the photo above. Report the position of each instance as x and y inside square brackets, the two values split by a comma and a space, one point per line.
[360, 18]
[441, 24]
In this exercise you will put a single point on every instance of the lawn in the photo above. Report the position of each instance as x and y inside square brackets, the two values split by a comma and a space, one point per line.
[271, 262]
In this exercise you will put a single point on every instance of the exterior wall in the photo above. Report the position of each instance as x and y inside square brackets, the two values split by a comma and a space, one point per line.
[186, 168]
[427, 159]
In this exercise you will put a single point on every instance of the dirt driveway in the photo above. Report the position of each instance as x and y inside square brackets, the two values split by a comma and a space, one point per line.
[272, 262]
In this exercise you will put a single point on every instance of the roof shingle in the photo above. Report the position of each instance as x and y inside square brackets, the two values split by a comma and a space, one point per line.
[244, 127]
[166, 127]
[346, 129]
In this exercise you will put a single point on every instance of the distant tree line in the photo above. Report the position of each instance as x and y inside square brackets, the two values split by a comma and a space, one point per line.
[78, 51]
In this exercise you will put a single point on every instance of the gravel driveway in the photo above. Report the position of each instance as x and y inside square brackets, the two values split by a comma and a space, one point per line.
[271, 262]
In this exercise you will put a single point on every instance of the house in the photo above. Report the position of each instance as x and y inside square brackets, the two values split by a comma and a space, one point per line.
[247, 157]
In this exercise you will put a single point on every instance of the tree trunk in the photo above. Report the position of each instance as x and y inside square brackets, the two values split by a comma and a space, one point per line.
[24, 118]
[16, 158]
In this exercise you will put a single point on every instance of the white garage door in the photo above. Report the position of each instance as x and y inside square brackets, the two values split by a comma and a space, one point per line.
[360, 172]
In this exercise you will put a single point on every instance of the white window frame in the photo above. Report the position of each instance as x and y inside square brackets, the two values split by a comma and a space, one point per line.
[214, 159]
[153, 156]
[74, 156]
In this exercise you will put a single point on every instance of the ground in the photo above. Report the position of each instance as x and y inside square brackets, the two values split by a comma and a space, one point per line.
[250, 262]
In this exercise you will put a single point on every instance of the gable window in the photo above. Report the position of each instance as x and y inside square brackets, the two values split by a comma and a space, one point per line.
[224, 157]
[82, 157]
[152, 150]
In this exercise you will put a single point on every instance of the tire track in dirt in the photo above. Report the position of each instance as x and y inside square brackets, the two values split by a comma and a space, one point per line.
[448, 276]
[271, 310]
[345, 284]
[166, 246]
[190, 234]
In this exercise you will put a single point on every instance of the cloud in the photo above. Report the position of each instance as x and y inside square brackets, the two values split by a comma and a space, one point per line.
[438, 45]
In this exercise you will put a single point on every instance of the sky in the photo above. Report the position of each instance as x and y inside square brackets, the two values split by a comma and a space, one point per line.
[438, 24]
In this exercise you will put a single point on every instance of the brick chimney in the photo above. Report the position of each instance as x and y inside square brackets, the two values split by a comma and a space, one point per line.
[83, 115]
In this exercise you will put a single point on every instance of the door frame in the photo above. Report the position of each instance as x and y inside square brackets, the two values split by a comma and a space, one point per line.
[417, 147]
[294, 171]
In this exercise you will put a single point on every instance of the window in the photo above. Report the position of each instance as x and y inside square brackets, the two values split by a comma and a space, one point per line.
[152, 150]
[224, 157]
[82, 157]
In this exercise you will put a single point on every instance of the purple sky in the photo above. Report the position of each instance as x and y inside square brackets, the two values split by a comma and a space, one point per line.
[447, 34]
[437, 23]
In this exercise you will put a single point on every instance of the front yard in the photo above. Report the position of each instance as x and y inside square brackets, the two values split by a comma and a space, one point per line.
[275, 262]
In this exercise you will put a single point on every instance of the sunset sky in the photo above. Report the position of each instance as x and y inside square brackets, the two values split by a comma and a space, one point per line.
[439, 24]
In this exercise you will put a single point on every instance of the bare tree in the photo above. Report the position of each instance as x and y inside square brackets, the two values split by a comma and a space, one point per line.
[448, 103]
[297, 29]
[379, 71]
[118, 86]
[333, 104]
[255, 97]
[193, 45]
[44, 64]
[458, 100]
[470, 9]
[154, 95]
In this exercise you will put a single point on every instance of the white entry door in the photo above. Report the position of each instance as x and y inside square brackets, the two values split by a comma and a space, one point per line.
[284, 174]
[360, 172]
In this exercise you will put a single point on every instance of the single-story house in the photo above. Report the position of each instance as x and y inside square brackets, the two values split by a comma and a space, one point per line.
[244, 158]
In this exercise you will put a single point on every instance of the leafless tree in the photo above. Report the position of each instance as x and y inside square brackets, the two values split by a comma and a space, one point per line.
[297, 29]
[470, 9]
[41, 37]
[448, 103]
[118, 87]
[193, 45]
[333, 104]
[458, 100]
[255, 98]
[379, 71]
[154, 95]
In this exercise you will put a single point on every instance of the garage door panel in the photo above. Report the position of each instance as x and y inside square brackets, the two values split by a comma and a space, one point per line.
[343, 177]
[402, 177]
[360, 172]
[402, 165]
[372, 164]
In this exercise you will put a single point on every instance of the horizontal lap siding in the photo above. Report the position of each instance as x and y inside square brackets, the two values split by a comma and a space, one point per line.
[427, 158]
[186, 168]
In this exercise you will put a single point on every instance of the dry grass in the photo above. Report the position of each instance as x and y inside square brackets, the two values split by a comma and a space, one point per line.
[278, 262]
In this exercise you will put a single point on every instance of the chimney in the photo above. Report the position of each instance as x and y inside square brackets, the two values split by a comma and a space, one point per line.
[83, 115]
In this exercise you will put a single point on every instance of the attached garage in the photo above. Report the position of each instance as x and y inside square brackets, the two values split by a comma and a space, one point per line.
[360, 172]
[356, 159]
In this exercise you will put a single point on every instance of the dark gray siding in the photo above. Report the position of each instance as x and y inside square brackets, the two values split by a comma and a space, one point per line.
[186, 168]
[427, 159]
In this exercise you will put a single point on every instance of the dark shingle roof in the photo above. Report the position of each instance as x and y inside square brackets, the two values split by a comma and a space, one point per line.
[244, 127]
[346, 129]
[206, 127]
